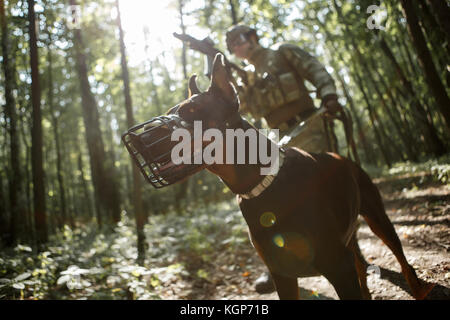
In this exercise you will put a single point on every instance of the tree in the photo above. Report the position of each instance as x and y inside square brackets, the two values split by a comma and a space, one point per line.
[137, 190]
[55, 125]
[37, 148]
[103, 172]
[183, 187]
[15, 185]
[426, 62]
[442, 11]
[234, 18]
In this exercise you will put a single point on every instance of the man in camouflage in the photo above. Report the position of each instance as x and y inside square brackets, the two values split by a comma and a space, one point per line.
[276, 92]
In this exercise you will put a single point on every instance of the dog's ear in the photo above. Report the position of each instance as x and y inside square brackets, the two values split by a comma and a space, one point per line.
[193, 89]
[220, 80]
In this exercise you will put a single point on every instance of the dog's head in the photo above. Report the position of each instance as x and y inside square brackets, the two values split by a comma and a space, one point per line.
[214, 107]
[151, 145]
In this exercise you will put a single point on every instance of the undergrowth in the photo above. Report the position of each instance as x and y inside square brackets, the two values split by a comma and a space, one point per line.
[85, 264]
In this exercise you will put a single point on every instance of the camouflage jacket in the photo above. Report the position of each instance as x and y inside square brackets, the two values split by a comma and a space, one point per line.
[276, 90]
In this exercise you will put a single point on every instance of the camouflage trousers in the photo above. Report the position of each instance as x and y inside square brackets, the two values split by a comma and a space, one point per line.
[313, 138]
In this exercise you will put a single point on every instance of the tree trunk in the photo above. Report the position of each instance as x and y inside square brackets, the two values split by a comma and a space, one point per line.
[442, 11]
[36, 136]
[87, 198]
[435, 34]
[376, 124]
[103, 171]
[154, 90]
[369, 152]
[4, 224]
[28, 209]
[59, 169]
[233, 13]
[384, 151]
[15, 185]
[183, 31]
[433, 140]
[378, 131]
[361, 135]
[181, 191]
[389, 111]
[426, 62]
[434, 144]
[137, 190]
[398, 116]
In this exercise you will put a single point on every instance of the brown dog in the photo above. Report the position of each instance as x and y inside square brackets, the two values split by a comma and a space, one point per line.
[301, 220]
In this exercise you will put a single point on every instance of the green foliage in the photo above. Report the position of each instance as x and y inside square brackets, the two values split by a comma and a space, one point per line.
[83, 264]
[439, 168]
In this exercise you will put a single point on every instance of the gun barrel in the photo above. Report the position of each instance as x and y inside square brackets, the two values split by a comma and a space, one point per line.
[202, 46]
[206, 47]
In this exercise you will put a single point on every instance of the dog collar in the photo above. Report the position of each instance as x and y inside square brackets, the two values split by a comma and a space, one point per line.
[266, 182]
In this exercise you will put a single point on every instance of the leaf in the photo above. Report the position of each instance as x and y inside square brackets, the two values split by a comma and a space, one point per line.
[18, 286]
[202, 274]
[75, 271]
[63, 279]
[22, 276]
[135, 273]
[23, 248]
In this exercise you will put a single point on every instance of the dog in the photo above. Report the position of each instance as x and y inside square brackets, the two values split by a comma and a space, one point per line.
[301, 220]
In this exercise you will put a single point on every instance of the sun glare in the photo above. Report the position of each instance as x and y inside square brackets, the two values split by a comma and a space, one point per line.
[161, 20]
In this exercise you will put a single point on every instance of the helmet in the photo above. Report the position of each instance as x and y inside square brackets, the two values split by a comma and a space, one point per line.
[238, 31]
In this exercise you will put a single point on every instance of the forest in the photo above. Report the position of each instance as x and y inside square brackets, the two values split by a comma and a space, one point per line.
[78, 220]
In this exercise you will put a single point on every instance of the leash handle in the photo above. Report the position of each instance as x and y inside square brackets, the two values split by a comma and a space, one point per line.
[347, 121]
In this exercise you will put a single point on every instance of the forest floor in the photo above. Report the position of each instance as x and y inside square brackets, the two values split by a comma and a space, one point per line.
[205, 253]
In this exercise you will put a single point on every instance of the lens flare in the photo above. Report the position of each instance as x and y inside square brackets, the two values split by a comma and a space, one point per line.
[295, 244]
[278, 240]
[267, 219]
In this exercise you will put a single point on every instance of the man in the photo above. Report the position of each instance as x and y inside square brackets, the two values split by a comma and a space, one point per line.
[276, 92]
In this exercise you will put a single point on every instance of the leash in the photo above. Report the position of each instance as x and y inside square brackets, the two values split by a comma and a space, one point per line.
[294, 132]
[347, 121]
[341, 115]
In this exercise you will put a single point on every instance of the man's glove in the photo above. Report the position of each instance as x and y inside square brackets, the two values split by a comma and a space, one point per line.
[330, 102]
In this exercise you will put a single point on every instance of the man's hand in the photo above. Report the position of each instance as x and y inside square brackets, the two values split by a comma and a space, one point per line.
[333, 106]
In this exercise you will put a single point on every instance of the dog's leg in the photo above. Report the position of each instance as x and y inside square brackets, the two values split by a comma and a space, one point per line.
[338, 266]
[361, 267]
[372, 209]
[384, 229]
[287, 288]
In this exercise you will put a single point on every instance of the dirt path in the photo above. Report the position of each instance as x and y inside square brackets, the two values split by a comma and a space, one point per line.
[420, 211]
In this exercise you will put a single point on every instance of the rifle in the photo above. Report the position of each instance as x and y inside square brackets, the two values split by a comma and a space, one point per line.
[206, 46]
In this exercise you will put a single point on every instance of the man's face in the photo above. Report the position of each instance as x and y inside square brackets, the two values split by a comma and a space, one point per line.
[241, 47]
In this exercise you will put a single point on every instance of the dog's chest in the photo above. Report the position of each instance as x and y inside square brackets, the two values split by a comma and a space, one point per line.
[285, 250]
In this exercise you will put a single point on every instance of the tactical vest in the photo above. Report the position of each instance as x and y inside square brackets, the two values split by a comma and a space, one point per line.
[276, 83]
